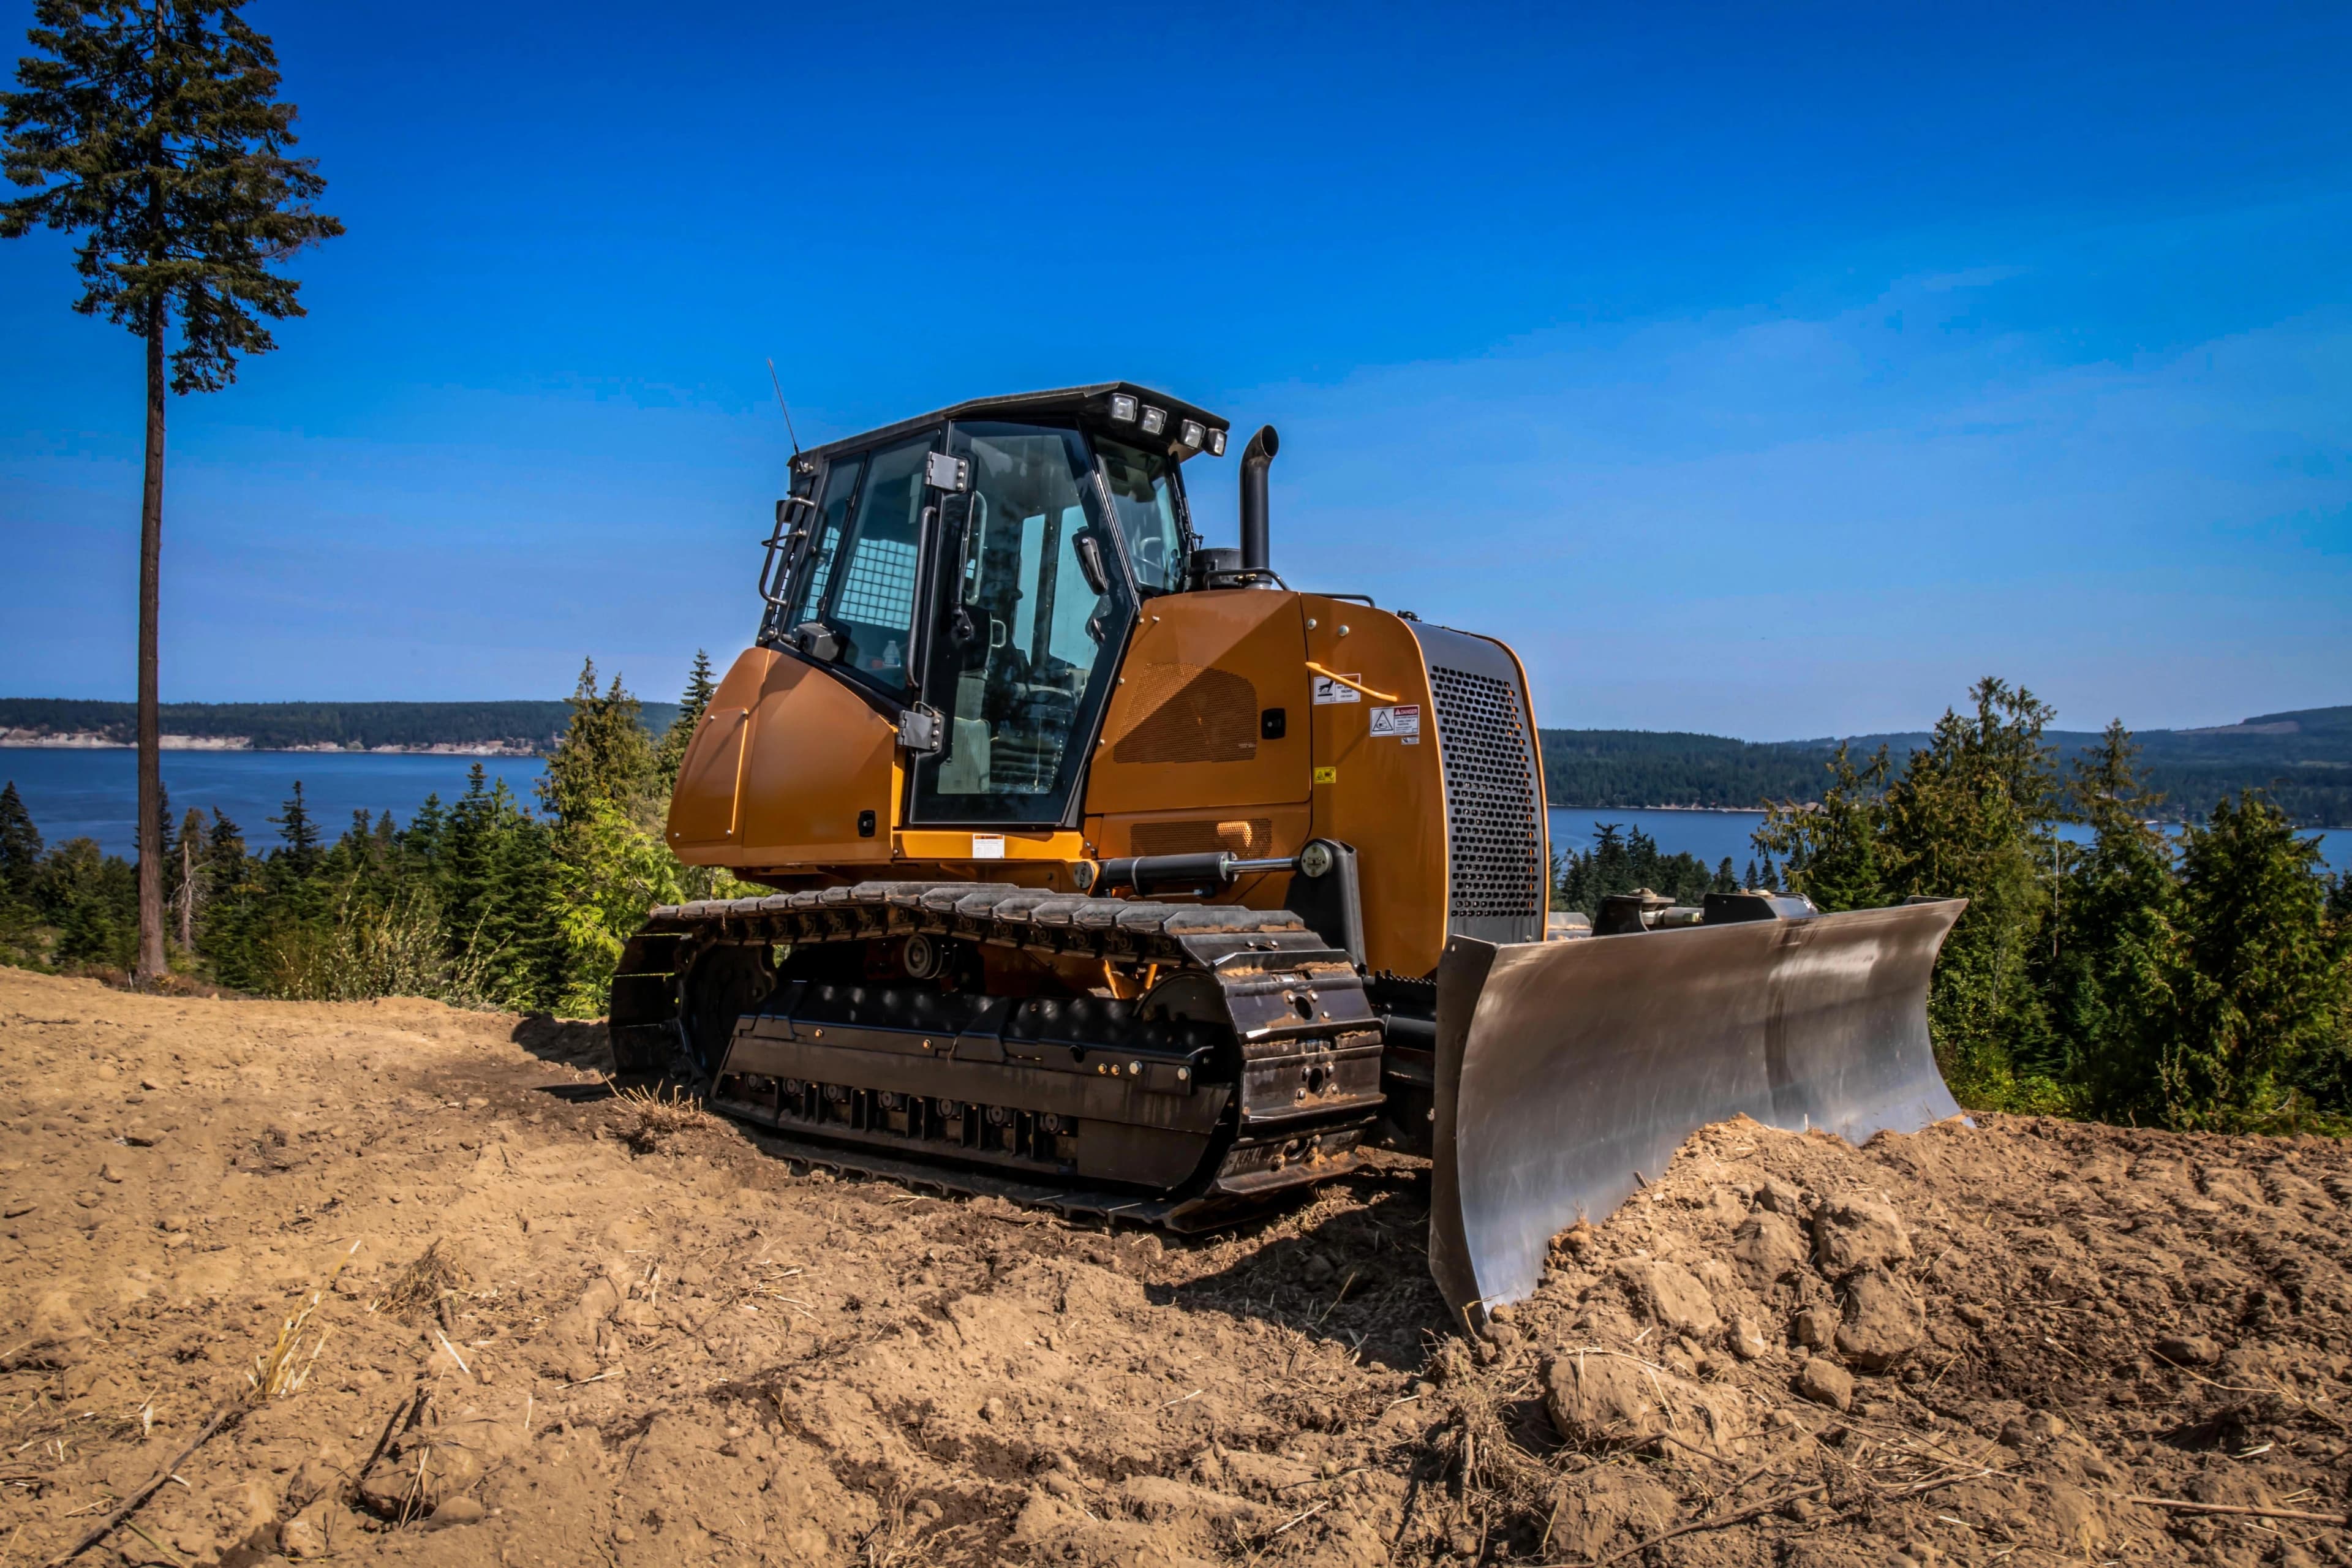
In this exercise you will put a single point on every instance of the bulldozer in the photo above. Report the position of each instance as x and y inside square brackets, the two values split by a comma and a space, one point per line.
[1110, 872]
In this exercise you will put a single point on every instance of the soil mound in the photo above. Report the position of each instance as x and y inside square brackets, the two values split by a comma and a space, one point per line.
[1970, 1343]
[582, 1327]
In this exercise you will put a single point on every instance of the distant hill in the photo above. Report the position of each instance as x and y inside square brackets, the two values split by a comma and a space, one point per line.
[2304, 759]
[514, 728]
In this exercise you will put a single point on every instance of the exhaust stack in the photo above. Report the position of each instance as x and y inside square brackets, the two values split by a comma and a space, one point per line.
[1256, 457]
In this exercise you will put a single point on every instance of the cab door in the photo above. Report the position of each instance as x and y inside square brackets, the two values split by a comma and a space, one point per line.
[1028, 613]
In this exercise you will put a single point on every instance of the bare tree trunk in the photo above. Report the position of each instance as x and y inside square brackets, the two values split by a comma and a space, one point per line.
[187, 894]
[152, 964]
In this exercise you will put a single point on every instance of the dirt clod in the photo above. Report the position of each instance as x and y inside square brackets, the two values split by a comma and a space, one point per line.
[1674, 1298]
[1858, 1232]
[1767, 1249]
[2189, 1350]
[1816, 1327]
[1824, 1382]
[1884, 1320]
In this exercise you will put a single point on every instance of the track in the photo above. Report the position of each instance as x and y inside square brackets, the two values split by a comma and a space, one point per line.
[1219, 1057]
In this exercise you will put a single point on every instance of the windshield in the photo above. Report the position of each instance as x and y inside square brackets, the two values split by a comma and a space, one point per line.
[1143, 497]
[1029, 599]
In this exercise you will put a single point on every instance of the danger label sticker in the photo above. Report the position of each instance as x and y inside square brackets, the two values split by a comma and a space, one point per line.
[1329, 689]
[988, 847]
[1397, 724]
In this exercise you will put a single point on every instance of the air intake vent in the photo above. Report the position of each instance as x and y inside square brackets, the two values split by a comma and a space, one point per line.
[1190, 715]
[1494, 835]
[1246, 837]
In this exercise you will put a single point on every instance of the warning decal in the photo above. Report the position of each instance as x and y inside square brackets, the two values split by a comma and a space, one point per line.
[1327, 690]
[1397, 723]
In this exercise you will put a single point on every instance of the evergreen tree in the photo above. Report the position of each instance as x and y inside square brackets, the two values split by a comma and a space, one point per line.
[2112, 931]
[692, 705]
[301, 834]
[20, 847]
[1622, 862]
[151, 128]
[225, 844]
[92, 898]
[2257, 981]
[604, 757]
[1974, 816]
[1833, 852]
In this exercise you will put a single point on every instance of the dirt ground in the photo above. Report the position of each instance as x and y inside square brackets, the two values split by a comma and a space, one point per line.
[533, 1322]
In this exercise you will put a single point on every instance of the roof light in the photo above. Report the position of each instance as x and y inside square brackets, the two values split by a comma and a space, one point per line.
[1155, 420]
[1191, 435]
[1216, 443]
[1122, 407]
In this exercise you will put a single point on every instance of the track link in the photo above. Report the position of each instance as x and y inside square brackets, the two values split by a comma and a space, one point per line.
[1250, 1067]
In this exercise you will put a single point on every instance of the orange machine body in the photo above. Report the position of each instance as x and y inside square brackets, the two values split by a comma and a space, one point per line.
[1247, 720]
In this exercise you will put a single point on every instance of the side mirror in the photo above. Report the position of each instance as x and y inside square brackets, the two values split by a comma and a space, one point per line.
[818, 640]
[1090, 562]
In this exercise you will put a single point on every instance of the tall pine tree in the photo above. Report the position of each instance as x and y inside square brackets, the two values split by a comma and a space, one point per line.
[2258, 978]
[692, 705]
[20, 847]
[604, 757]
[152, 130]
[2112, 934]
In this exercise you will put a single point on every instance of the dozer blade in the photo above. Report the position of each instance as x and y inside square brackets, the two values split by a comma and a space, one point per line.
[1569, 1071]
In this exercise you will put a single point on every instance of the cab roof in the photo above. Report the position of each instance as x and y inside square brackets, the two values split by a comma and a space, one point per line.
[1089, 405]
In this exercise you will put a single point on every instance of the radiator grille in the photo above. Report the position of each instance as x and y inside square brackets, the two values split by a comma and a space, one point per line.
[1494, 828]
[1190, 715]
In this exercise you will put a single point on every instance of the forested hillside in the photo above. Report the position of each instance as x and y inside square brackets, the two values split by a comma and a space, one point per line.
[2303, 760]
[283, 726]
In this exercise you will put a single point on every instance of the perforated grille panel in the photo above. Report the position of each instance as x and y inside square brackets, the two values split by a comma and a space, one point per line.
[1495, 845]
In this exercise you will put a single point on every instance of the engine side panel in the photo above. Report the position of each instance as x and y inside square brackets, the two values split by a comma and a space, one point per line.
[1190, 760]
[782, 769]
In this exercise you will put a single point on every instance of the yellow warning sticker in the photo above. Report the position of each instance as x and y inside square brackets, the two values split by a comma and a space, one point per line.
[1327, 775]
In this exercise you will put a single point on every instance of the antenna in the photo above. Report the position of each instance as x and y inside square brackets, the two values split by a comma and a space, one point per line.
[788, 413]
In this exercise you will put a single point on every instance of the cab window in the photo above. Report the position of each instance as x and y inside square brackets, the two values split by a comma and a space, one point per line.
[861, 577]
[1143, 488]
[1026, 636]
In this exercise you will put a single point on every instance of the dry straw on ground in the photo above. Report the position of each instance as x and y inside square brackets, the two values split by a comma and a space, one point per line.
[427, 1285]
[659, 1117]
[280, 1371]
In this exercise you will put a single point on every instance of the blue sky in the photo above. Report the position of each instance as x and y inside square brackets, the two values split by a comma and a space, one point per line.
[1773, 372]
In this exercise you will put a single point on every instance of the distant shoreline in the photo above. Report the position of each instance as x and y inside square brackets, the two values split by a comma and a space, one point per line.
[20, 740]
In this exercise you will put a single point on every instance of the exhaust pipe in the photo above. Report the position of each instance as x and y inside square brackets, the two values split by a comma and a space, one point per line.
[1256, 457]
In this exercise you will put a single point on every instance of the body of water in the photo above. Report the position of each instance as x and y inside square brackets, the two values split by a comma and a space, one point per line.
[74, 792]
[94, 792]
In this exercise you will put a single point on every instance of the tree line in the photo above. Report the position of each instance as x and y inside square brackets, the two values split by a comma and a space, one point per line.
[1625, 860]
[480, 900]
[2302, 761]
[287, 726]
[2196, 979]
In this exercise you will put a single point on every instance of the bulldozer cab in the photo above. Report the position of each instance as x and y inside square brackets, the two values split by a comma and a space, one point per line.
[982, 569]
